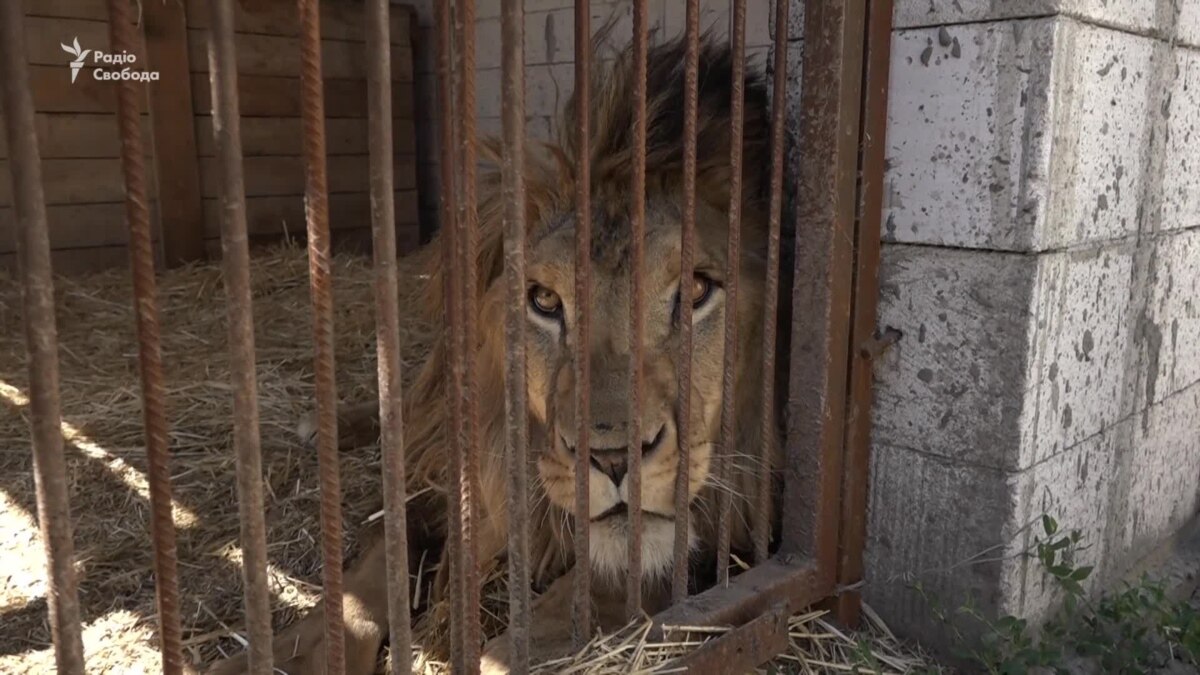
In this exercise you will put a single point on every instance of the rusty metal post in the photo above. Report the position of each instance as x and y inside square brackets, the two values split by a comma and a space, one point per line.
[581, 610]
[679, 585]
[41, 340]
[866, 298]
[737, 115]
[451, 282]
[387, 327]
[123, 38]
[821, 296]
[235, 269]
[762, 511]
[316, 202]
[516, 421]
[637, 226]
[467, 240]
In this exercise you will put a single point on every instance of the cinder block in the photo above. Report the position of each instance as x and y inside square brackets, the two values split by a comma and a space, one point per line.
[1103, 111]
[1133, 15]
[1078, 379]
[795, 20]
[1181, 157]
[915, 13]
[968, 134]
[1139, 16]
[1072, 487]
[1018, 135]
[714, 18]
[1164, 462]
[954, 386]
[1188, 24]
[1169, 329]
[547, 88]
[937, 532]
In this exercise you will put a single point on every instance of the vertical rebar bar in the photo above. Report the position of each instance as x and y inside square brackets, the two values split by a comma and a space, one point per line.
[737, 39]
[387, 327]
[316, 202]
[41, 340]
[123, 39]
[762, 511]
[235, 264]
[512, 25]
[856, 478]
[581, 609]
[468, 243]
[451, 281]
[679, 585]
[637, 226]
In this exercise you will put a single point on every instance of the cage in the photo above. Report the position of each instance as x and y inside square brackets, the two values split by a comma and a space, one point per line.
[804, 528]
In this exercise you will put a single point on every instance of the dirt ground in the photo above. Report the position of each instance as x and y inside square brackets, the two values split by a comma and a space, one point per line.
[109, 494]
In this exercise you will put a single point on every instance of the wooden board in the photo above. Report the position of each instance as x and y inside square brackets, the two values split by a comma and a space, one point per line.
[339, 20]
[74, 226]
[285, 215]
[76, 260]
[283, 136]
[280, 56]
[75, 181]
[266, 96]
[280, 176]
[176, 165]
[73, 135]
[44, 37]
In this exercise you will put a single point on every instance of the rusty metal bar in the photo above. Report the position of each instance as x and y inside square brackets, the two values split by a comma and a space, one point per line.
[41, 340]
[387, 327]
[821, 296]
[316, 202]
[468, 244]
[123, 38]
[512, 26]
[581, 609]
[790, 580]
[235, 264]
[637, 226]
[448, 214]
[866, 296]
[762, 511]
[679, 584]
[726, 449]
[742, 649]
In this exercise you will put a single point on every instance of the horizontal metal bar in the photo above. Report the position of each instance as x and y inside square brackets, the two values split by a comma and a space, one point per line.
[740, 650]
[748, 595]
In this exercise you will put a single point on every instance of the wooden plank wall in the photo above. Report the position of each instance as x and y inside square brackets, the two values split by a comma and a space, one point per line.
[80, 149]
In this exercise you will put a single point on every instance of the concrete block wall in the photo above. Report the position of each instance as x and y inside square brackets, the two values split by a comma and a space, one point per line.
[1041, 257]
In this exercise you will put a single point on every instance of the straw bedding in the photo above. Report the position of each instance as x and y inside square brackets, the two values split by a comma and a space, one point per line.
[109, 498]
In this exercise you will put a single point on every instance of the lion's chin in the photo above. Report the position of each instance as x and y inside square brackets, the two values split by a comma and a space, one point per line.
[609, 545]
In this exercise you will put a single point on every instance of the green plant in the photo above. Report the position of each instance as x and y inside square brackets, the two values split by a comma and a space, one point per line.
[1134, 630]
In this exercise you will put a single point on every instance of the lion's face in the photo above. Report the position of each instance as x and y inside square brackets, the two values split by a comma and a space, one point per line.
[552, 343]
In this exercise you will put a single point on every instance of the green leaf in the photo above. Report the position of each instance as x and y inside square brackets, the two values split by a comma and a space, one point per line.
[1081, 573]
[1050, 525]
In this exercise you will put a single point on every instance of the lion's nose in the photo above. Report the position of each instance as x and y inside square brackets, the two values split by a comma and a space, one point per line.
[612, 463]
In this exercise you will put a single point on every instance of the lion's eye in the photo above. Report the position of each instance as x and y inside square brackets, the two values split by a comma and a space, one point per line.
[545, 302]
[702, 288]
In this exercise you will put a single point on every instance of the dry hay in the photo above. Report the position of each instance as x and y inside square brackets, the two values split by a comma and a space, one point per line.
[109, 496]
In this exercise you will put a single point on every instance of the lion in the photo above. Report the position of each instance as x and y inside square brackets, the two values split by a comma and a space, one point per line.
[551, 347]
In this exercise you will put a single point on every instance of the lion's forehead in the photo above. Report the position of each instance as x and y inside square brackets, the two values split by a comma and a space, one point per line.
[611, 232]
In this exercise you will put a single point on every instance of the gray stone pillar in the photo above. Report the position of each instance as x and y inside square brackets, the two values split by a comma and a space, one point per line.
[1042, 257]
